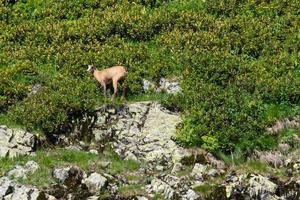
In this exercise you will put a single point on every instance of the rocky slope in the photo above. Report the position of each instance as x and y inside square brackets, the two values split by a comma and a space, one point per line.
[141, 132]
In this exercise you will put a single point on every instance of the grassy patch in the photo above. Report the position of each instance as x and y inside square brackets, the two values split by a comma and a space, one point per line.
[205, 189]
[5, 120]
[119, 165]
[48, 160]
[131, 190]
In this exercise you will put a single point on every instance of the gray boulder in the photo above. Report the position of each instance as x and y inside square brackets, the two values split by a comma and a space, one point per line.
[95, 182]
[15, 142]
[22, 171]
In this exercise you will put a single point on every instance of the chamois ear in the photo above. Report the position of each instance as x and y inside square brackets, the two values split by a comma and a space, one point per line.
[91, 68]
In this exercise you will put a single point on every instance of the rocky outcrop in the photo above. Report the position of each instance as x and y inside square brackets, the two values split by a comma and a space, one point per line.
[141, 131]
[15, 142]
[256, 186]
[22, 171]
[284, 124]
[95, 182]
[170, 86]
[11, 190]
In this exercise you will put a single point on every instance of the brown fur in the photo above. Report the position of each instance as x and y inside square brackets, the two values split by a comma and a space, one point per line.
[111, 74]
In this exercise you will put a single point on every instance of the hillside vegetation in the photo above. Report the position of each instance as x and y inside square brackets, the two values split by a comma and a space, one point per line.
[238, 62]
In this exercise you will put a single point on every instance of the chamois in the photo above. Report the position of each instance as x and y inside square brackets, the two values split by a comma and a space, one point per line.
[107, 75]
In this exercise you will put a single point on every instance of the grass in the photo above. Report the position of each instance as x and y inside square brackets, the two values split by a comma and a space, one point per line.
[119, 166]
[205, 189]
[279, 111]
[48, 160]
[131, 190]
[5, 120]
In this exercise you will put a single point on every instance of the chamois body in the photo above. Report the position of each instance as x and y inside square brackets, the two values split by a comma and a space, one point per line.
[111, 74]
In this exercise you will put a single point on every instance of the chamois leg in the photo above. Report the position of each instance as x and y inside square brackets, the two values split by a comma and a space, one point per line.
[124, 90]
[104, 88]
[115, 85]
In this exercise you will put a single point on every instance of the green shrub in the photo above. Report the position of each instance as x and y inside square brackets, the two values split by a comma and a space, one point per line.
[55, 107]
[14, 83]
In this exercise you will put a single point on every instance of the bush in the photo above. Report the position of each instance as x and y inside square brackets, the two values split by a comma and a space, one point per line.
[55, 108]
[14, 83]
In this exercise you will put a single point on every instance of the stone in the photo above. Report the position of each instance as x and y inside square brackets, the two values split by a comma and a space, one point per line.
[159, 168]
[148, 85]
[198, 170]
[169, 86]
[141, 198]
[94, 151]
[179, 154]
[22, 171]
[15, 142]
[17, 172]
[271, 157]
[158, 186]
[176, 168]
[6, 186]
[93, 198]
[212, 173]
[10, 190]
[190, 195]
[130, 156]
[283, 147]
[31, 166]
[95, 182]
[69, 176]
[35, 89]
[140, 131]
[259, 186]
[61, 174]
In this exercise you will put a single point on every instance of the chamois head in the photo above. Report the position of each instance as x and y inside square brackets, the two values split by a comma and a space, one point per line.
[91, 68]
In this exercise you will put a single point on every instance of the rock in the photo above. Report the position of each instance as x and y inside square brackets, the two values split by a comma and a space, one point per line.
[69, 176]
[22, 171]
[172, 181]
[159, 168]
[158, 186]
[284, 124]
[283, 147]
[176, 168]
[260, 186]
[15, 142]
[250, 186]
[35, 88]
[148, 85]
[140, 131]
[198, 171]
[94, 151]
[17, 172]
[6, 186]
[212, 173]
[61, 174]
[93, 198]
[169, 86]
[10, 190]
[31, 166]
[95, 182]
[141, 198]
[190, 195]
[130, 156]
[274, 158]
[180, 154]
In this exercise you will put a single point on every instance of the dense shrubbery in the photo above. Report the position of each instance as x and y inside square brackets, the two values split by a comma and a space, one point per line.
[57, 105]
[234, 57]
